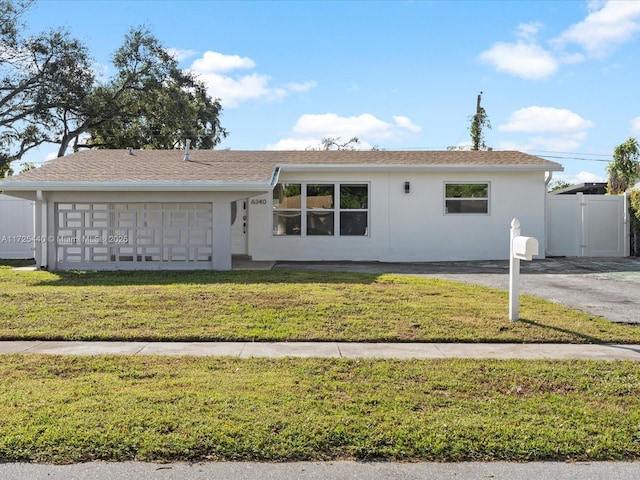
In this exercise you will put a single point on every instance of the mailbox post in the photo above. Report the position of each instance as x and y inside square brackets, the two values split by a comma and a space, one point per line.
[520, 248]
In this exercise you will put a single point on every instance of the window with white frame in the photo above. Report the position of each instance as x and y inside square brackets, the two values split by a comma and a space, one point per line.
[466, 198]
[321, 209]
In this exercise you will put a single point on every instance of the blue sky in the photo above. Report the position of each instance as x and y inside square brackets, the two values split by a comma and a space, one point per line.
[559, 78]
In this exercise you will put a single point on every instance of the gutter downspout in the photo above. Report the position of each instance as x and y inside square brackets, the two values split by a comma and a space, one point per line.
[44, 234]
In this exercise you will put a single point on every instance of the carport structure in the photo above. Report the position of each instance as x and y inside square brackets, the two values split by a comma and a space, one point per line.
[137, 210]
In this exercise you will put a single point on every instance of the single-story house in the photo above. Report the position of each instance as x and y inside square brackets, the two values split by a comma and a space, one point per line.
[171, 209]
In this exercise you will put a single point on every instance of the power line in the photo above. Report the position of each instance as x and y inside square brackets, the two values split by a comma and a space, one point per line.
[557, 157]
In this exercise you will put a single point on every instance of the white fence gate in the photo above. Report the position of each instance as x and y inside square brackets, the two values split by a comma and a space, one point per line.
[587, 225]
[16, 228]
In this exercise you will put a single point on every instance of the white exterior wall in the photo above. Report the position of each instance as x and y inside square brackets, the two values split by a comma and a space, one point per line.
[411, 227]
[16, 228]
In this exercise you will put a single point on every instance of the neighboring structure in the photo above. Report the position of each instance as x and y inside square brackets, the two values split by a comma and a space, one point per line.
[16, 228]
[119, 209]
[590, 188]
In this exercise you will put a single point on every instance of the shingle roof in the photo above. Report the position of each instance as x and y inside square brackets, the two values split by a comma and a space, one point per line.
[230, 167]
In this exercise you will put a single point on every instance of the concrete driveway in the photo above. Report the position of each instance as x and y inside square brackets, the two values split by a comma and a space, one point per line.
[604, 287]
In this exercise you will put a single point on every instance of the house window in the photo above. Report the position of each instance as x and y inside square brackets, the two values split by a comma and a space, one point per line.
[321, 209]
[466, 198]
[287, 209]
[354, 209]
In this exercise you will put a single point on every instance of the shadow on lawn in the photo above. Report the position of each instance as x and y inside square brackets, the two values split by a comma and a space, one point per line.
[167, 277]
[576, 336]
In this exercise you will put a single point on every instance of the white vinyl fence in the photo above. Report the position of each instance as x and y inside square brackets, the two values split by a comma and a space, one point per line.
[16, 228]
[587, 225]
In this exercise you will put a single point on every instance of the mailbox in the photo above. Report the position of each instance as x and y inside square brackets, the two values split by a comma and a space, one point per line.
[524, 248]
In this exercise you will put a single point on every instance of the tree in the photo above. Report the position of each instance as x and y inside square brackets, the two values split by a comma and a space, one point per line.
[50, 94]
[624, 169]
[478, 122]
[150, 103]
[333, 143]
[558, 185]
[37, 75]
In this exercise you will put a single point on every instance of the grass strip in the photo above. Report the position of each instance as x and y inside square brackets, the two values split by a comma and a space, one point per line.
[74, 409]
[280, 305]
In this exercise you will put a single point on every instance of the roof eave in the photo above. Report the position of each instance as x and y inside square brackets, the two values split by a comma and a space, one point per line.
[138, 186]
[435, 168]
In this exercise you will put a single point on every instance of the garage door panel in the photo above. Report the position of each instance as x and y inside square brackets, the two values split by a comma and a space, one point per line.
[120, 235]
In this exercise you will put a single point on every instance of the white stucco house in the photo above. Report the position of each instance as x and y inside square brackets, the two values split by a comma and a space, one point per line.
[133, 209]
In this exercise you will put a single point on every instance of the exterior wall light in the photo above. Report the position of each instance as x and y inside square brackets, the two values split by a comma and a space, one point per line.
[407, 187]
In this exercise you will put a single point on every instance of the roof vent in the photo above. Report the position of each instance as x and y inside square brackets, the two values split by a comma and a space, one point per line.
[186, 151]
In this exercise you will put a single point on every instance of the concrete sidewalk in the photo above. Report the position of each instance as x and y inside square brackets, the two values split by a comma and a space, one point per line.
[330, 470]
[330, 349]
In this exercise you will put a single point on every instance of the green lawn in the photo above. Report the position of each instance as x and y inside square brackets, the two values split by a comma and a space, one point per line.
[70, 409]
[77, 408]
[279, 305]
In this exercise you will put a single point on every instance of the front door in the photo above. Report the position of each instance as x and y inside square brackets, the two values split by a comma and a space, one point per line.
[239, 227]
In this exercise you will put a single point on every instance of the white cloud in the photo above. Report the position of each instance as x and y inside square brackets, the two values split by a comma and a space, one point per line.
[301, 87]
[528, 30]
[635, 126]
[580, 177]
[232, 91]
[310, 129]
[545, 120]
[404, 122]
[332, 125]
[181, 55]
[215, 62]
[608, 24]
[548, 128]
[586, 177]
[306, 143]
[521, 59]
[216, 70]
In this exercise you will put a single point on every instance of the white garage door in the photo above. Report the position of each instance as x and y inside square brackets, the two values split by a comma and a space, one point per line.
[134, 236]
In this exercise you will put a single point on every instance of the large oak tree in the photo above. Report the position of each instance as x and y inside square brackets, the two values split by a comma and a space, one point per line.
[38, 74]
[150, 103]
[49, 93]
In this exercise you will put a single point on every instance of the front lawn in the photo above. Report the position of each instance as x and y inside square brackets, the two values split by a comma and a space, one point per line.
[76, 408]
[279, 305]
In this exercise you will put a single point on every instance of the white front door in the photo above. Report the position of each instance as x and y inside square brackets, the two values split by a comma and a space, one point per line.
[239, 227]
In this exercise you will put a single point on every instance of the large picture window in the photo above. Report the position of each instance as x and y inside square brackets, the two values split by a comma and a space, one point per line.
[466, 198]
[321, 209]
